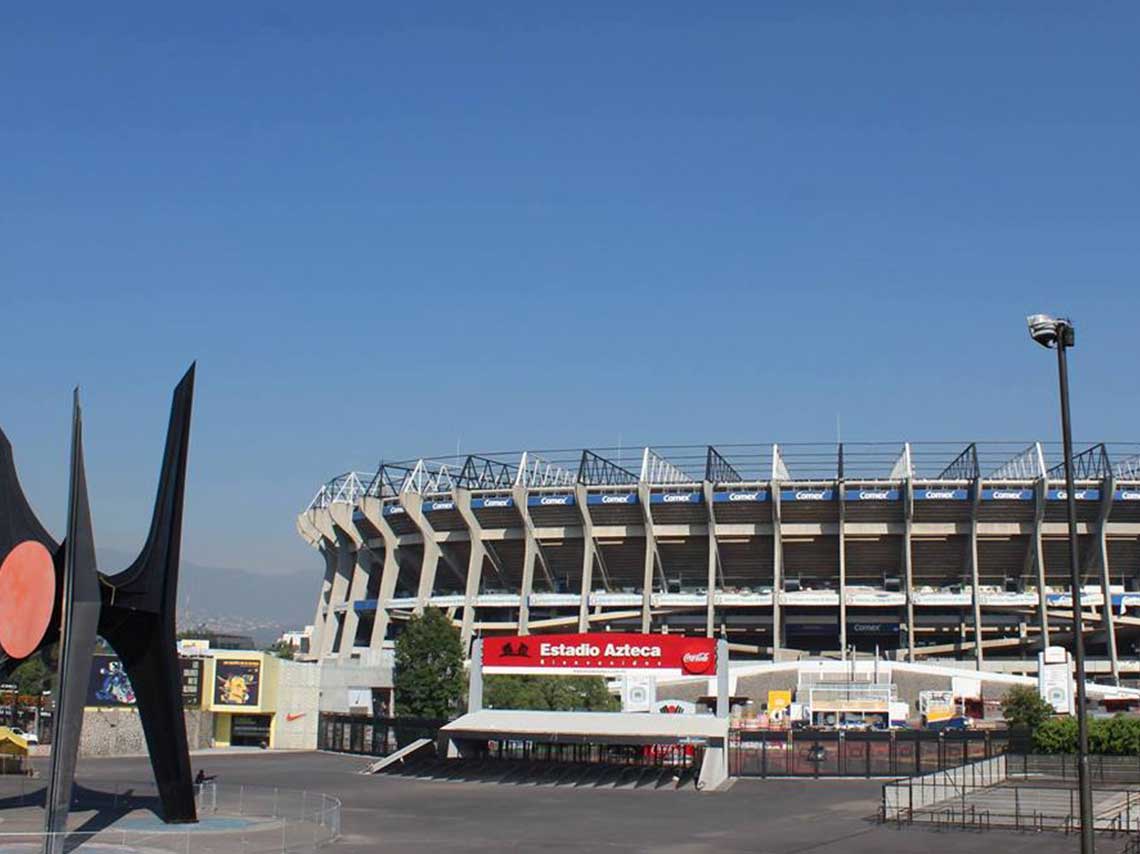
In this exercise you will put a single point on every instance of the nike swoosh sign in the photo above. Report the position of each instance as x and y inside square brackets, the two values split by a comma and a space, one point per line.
[294, 717]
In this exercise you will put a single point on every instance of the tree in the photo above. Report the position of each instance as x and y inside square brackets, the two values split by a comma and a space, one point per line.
[1023, 707]
[549, 693]
[31, 677]
[429, 667]
[282, 649]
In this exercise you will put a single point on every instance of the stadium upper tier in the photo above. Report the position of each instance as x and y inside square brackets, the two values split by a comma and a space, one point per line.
[925, 545]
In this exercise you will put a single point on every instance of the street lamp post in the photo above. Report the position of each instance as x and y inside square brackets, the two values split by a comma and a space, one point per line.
[1053, 332]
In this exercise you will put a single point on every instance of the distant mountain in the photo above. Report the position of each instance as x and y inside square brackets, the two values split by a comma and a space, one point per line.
[235, 599]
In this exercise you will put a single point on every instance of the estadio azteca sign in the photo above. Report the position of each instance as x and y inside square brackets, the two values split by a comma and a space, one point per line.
[602, 651]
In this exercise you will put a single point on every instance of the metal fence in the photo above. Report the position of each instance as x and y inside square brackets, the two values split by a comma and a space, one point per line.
[1018, 792]
[1105, 770]
[373, 736]
[231, 818]
[897, 753]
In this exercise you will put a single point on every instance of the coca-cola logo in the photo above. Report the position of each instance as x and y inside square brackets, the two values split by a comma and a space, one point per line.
[697, 661]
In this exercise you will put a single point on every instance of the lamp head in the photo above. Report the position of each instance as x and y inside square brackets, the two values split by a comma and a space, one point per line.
[1046, 330]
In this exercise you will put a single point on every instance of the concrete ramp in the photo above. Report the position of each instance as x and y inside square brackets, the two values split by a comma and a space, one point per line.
[399, 756]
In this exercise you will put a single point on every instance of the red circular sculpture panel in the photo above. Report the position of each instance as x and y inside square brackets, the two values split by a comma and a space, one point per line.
[27, 596]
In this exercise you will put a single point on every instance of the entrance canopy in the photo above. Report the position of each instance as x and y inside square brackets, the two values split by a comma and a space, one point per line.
[587, 727]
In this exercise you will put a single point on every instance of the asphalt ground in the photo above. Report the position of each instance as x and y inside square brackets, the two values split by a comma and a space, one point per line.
[392, 814]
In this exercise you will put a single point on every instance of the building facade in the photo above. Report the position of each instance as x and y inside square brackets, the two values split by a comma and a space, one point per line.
[919, 551]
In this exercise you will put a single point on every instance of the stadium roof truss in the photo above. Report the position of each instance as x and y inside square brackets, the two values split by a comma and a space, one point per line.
[681, 466]
[347, 488]
[536, 472]
[1090, 464]
[1027, 465]
[596, 470]
[484, 473]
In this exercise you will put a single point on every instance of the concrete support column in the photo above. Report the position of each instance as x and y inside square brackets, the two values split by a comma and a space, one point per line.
[532, 556]
[975, 596]
[373, 511]
[462, 498]
[1108, 491]
[908, 564]
[650, 557]
[714, 558]
[841, 497]
[413, 503]
[589, 546]
[324, 605]
[338, 593]
[358, 581]
[1040, 492]
[777, 569]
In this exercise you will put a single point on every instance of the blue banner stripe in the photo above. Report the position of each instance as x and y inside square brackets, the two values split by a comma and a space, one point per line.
[733, 497]
[613, 498]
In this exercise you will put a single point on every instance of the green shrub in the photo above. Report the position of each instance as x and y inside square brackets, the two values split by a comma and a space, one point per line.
[1118, 736]
[1056, 735]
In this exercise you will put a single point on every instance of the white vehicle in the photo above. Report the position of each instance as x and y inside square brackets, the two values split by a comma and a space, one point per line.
[29, 737]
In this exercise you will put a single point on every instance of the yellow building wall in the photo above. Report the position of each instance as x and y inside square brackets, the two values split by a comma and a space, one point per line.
[222, 730]
[266, 694]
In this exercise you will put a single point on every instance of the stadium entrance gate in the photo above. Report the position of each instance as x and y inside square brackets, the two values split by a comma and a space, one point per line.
[649, 738]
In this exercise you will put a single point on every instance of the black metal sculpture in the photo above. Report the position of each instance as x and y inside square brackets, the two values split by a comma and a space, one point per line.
[133, 610]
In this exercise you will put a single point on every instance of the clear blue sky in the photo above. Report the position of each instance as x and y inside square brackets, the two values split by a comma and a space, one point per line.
[381, 228]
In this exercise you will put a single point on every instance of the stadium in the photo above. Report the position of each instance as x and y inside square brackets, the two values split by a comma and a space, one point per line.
[914, 551]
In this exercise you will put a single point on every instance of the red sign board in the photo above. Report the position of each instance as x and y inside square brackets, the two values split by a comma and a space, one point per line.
[602, 651]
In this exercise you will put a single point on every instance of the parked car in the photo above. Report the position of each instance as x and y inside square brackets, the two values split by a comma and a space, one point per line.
[29, 737]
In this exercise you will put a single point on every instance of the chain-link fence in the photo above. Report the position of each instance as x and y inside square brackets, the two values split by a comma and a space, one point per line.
[126, 816]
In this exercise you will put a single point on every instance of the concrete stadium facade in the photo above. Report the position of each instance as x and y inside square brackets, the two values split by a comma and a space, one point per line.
[920, 551]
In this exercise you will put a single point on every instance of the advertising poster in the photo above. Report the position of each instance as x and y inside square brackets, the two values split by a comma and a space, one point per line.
[778, 701]
[108, 685]
[237, 682]
[191, 682]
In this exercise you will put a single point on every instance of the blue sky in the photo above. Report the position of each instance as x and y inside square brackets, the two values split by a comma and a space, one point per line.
[384, 229]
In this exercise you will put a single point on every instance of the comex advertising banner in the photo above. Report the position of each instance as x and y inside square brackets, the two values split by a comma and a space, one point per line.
[237, 682]
[603, 651]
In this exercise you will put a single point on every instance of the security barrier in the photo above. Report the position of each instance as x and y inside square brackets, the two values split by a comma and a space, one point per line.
[812, 753]
[373, 736]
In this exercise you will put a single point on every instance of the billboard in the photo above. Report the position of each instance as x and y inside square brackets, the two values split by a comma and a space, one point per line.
[108, 685]
[1055, 679]
[237, 682]
[601, 651]
[191, 682]
[778, 701]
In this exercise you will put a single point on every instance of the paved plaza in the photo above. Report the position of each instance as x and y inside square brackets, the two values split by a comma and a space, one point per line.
[390, 814]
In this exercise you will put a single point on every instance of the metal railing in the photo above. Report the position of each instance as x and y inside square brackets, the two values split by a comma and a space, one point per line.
[1034, 793]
